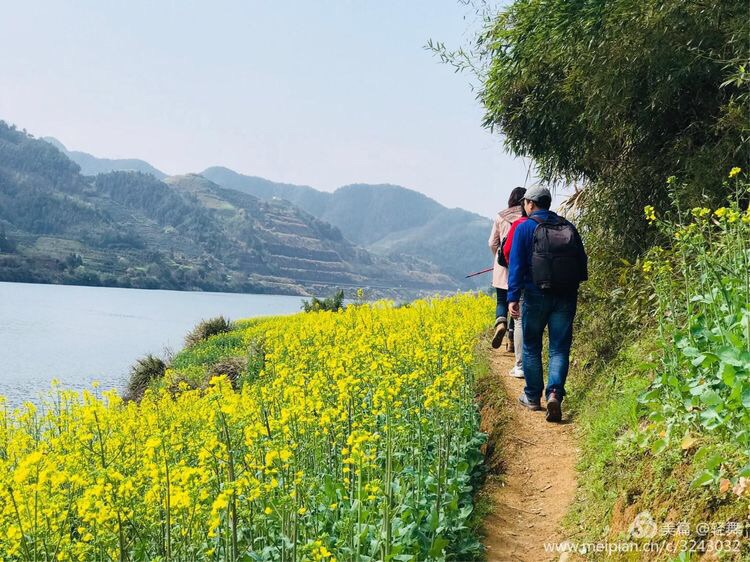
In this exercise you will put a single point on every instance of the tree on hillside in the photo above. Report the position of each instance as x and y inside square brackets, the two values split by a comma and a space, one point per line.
[619, 95]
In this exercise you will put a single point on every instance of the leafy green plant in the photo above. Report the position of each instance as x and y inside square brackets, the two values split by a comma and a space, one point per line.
[702, 285]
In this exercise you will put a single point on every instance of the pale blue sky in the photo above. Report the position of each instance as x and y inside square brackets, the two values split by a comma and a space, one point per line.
[323, 93]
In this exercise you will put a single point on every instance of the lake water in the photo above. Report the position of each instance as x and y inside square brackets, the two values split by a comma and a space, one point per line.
[79, 335]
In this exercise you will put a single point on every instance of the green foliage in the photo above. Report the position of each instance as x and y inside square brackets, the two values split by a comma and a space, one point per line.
[145, 372]
[238, 354]
[333, 303]
[621, 94]
[618, 477]
[73, 260]
[146, 193]
[211, 350]
[207, 328]
[606, 409]
[19, 150]
[702, 284]
[256, 359]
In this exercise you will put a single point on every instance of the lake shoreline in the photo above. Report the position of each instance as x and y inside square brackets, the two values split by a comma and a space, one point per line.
[81, 334]
[295, 291]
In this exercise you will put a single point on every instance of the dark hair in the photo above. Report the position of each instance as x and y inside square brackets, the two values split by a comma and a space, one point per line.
[544, 203]
[516, 196]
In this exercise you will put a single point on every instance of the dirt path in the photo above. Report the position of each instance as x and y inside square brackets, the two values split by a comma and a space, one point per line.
[536, 480]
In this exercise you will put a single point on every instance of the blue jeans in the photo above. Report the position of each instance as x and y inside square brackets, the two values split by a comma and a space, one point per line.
[501, 308]
[555, 312]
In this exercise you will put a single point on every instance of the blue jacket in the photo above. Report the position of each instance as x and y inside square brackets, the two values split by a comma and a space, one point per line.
[519, 270]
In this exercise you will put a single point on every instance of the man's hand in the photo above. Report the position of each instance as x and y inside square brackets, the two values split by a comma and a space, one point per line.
[515, 310]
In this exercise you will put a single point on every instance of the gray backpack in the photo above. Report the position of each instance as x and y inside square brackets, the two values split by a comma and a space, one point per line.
[558, 260]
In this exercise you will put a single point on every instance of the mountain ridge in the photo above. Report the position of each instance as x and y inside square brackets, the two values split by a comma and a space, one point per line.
[92, 165]
[130, 229]
[393, 221]
[387, 219]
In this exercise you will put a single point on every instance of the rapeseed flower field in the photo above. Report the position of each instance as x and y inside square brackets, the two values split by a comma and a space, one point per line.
[355, 438]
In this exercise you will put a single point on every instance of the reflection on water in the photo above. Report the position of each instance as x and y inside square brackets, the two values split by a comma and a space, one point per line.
[79, 335]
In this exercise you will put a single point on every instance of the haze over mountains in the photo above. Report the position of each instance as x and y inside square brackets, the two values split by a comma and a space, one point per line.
[387, 219]
[92, 165]
[244, 233]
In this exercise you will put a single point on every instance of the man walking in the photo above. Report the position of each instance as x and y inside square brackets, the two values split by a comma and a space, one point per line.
[547, 263]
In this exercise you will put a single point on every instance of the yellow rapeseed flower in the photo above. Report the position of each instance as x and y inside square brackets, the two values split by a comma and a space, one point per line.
[335, 392]
[700, 212]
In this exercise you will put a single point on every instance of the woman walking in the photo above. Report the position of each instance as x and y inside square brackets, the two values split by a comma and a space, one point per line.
[517, 370]
[500, 228]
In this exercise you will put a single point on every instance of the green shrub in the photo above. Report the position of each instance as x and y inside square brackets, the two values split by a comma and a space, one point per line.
[207, 328]
[231, 354]
[333, 303]
[560, 81]
[142, 374]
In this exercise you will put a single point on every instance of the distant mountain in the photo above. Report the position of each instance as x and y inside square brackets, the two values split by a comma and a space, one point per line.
[387, 219]
[400, 224]
[92, 165]
[130, 229]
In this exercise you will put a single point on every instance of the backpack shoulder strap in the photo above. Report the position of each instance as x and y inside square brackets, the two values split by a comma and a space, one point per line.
[538, 220]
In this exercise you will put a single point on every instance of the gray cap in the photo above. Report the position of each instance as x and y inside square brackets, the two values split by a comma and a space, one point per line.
[537, 192]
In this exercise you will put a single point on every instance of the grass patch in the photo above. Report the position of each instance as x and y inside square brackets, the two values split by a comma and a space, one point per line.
[618, 478]
[492, 402]
[237, 354]
[604, 412]
[207, 328]
[212, 350]
[145, 372]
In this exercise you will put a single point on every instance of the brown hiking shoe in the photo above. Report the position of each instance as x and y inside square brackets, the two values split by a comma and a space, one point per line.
[554, 409]
[500, 329]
